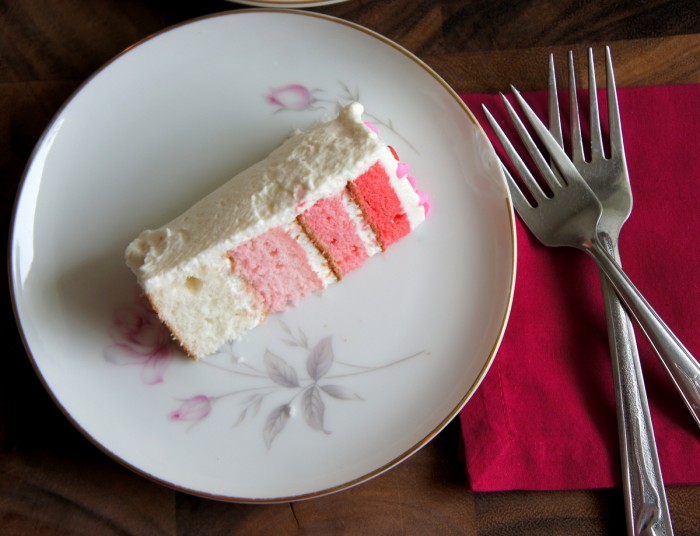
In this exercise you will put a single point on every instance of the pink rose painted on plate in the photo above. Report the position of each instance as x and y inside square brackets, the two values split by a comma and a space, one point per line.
[299, 98]
[140, 339]
[295, 97]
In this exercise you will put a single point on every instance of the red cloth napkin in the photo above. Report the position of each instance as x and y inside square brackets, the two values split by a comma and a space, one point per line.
[544, 417]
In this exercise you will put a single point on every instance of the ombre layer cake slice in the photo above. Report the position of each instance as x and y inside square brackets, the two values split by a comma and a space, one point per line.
[314, 210]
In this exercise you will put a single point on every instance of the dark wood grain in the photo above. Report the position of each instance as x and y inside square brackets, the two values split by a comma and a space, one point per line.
[54, 481]
[640, 62]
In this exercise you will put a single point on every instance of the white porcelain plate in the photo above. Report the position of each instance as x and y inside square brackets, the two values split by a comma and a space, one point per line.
[363, 375]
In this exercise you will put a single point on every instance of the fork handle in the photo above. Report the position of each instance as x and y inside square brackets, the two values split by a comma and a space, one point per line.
[646, 506]
[680, 364]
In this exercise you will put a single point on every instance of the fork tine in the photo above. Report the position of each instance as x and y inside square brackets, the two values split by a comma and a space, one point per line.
[561, 160]
[519, 200]
[596, 136]
[617, 146]
[553, 101]
[554, 116]
[576, 138]
[538, 159]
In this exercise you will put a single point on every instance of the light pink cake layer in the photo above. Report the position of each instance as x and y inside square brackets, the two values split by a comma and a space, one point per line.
[277, 267]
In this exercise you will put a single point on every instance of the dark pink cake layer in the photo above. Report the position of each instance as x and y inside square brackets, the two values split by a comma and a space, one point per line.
[380, 205]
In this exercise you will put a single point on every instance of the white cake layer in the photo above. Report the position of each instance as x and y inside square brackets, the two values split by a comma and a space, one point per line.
[207, 306]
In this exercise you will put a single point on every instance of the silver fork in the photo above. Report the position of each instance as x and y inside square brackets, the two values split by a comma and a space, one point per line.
[608, 178]
[645, 501]
[569, 218]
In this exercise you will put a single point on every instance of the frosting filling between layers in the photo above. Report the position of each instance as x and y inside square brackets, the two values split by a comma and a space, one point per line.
[362, 228]
[318, 262]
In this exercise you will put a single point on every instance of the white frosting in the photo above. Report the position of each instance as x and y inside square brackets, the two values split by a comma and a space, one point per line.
[410, 202]
[307, 167]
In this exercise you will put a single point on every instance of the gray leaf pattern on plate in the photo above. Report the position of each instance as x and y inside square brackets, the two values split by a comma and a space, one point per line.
[281, 381]
[275, 422]
[279, 371]
[320, 359]
[314, 408]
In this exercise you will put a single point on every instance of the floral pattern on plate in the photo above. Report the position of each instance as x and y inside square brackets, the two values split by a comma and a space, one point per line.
[139, 338]
[297, 97]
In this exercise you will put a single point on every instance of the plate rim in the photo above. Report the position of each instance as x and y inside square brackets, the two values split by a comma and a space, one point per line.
[288, 4]
[287, 498]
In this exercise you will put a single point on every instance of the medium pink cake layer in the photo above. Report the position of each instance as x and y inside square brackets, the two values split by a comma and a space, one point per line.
[335, 234]
[277, 267]
[380, 205]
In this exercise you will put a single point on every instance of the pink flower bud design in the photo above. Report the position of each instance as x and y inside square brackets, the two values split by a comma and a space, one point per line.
[193, 409]
[291, 97]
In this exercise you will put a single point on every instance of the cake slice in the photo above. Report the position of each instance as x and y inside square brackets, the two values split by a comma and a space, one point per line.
[314, 210]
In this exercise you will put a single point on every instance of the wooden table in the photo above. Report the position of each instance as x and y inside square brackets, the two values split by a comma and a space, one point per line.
[55, 481]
